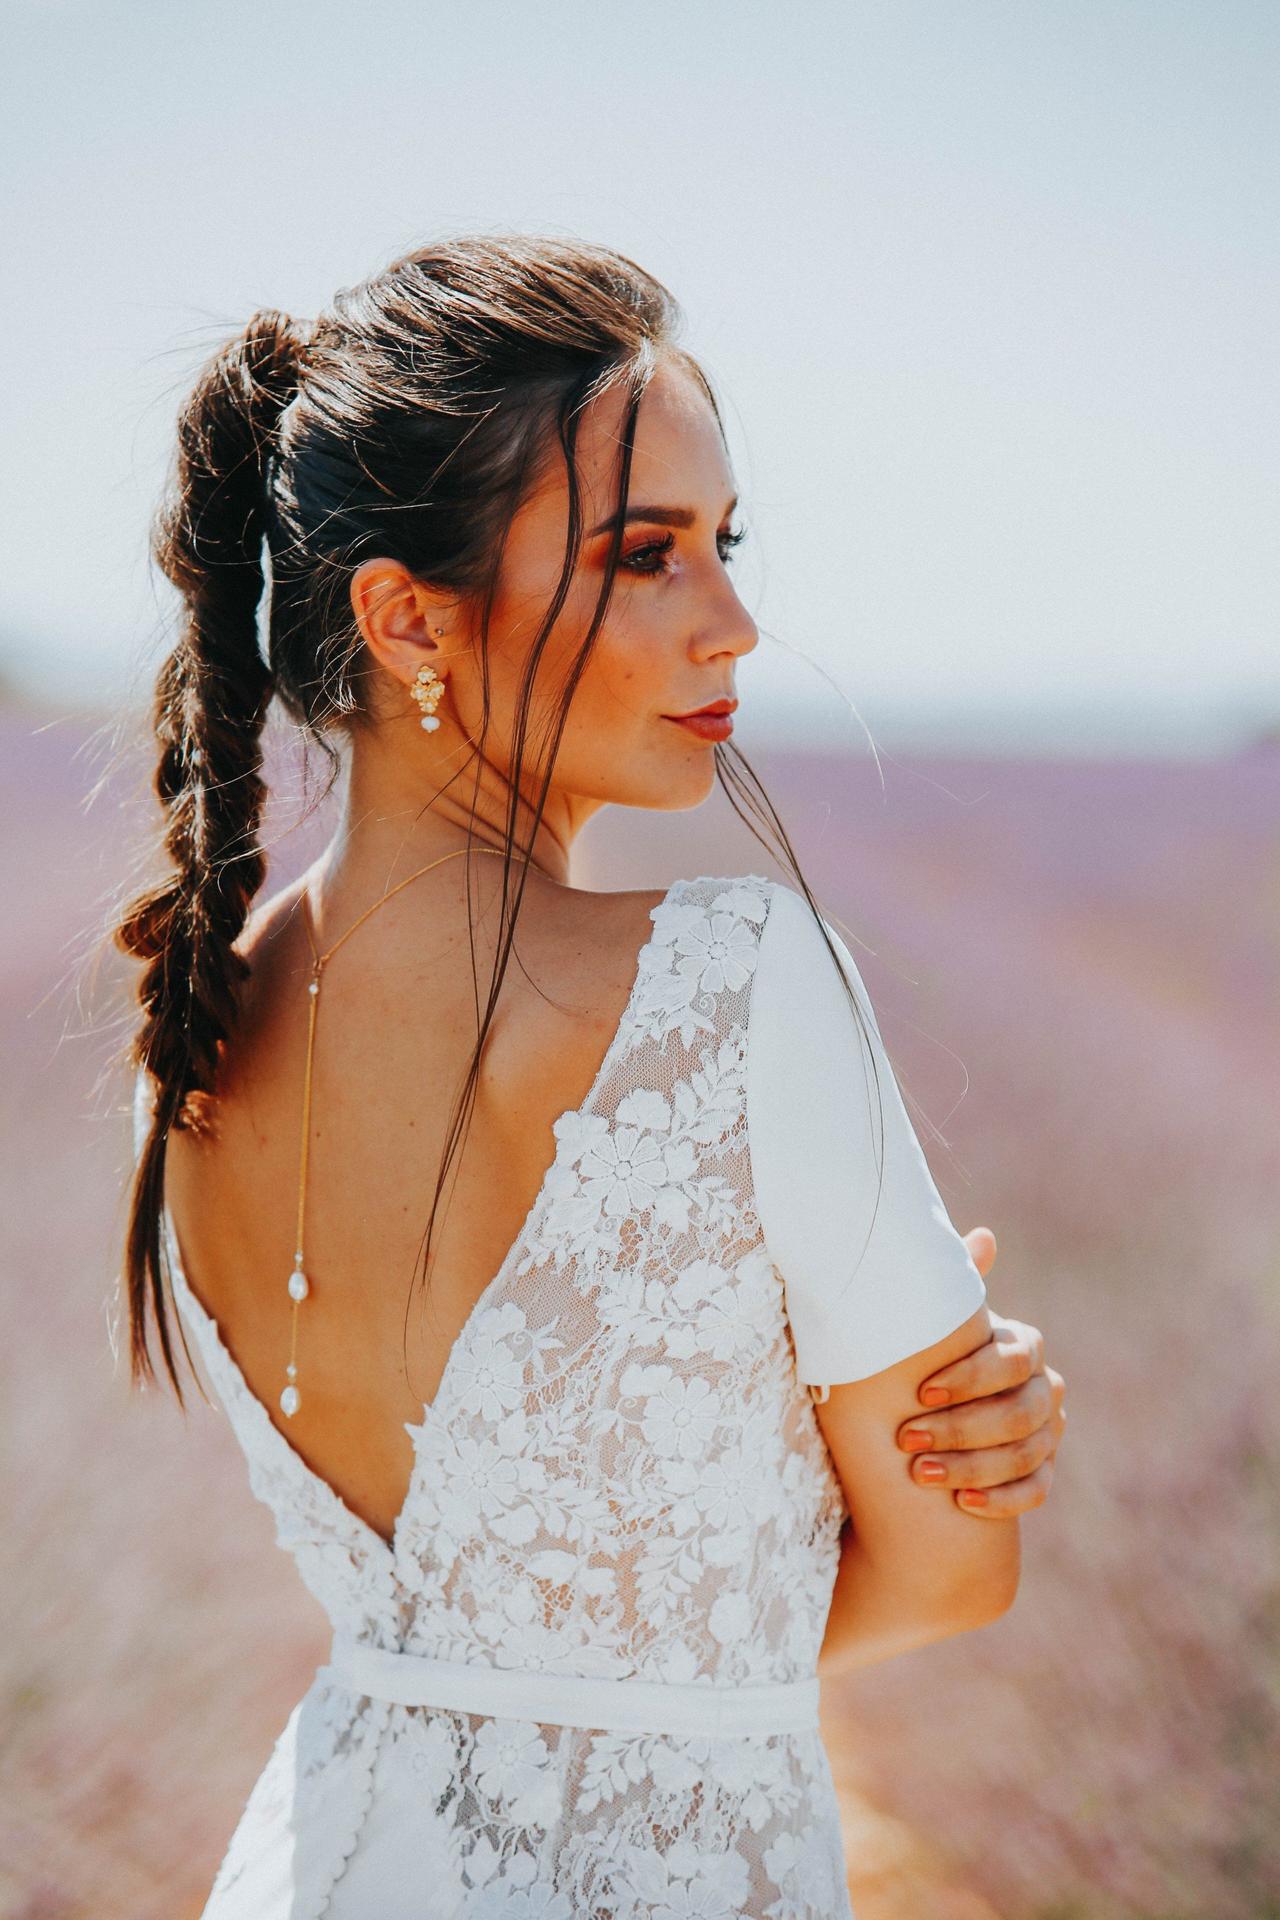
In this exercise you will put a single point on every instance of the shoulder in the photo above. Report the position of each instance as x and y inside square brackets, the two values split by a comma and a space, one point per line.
[724, 899]
[811, 1018]
[598, 936]
[794, 928]
[268, 920]
[709, 926]
[620, 922]
[803, 931]
[801, 962]
[673, 960]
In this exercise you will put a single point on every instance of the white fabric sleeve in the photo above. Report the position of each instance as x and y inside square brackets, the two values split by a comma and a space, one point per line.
[859, 1297]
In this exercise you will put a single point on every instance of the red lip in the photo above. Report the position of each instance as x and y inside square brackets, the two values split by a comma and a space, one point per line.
[716, 706]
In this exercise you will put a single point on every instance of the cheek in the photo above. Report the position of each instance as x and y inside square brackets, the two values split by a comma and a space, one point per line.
[634, 671]
[610, 704]
[615, 746]
[629, 669]
[611, 731]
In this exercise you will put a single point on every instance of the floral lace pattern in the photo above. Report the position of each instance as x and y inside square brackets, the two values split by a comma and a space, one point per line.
[621, 1476]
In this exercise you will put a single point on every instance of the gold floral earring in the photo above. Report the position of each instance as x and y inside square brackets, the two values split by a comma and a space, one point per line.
[427, 689]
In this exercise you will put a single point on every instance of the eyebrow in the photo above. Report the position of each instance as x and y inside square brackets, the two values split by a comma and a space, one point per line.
[654, 516]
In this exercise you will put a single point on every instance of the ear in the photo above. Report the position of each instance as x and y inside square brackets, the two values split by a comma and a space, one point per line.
[400, 617]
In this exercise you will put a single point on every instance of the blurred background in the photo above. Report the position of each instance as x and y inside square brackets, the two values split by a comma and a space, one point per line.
[988, 293]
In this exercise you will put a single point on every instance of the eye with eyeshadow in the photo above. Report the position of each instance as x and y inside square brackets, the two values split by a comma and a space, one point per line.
[662, 547]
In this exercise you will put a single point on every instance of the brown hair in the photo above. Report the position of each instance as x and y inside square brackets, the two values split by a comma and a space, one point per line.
[409, 422]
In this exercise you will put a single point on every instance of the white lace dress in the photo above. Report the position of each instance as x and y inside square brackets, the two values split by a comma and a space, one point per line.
[581, 1682]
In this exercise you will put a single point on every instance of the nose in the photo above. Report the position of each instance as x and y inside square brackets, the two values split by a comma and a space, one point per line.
[731, 628]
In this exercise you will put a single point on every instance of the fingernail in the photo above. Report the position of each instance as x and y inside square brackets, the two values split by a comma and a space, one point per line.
[935, 1396]
[915, 1438]
[931, 1470]
[975, 1496]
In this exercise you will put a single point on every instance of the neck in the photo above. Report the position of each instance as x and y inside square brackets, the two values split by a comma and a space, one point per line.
[401, 810]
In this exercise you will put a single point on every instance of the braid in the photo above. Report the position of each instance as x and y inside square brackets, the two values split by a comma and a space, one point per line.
[211, 701]
[424, 405]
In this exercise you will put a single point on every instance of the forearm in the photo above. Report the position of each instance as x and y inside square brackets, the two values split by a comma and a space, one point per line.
[878, 1612]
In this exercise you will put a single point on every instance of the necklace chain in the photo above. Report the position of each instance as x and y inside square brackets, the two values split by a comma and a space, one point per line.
[299, 1284]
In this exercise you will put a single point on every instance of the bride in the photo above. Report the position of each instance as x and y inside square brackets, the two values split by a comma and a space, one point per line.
[594, 1500]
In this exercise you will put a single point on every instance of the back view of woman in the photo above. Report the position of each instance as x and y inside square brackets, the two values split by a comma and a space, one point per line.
[578, 1496]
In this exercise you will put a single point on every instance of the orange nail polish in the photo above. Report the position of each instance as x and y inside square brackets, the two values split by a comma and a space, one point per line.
[915, 1439]
[935, 1396]
[931, 1470]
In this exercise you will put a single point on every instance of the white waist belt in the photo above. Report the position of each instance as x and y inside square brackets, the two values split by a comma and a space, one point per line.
[571, 1700]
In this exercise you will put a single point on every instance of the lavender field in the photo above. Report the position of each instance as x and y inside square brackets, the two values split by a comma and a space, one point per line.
[1076, 968]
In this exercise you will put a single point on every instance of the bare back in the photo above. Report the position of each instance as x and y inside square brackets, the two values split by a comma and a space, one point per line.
[395, 1029]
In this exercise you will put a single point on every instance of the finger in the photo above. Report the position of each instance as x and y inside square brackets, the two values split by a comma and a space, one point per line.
[1008, 1501]
[1001, 1362]
[984, 1466]
[988, 1422]
[992, 1422]
[981, 1243]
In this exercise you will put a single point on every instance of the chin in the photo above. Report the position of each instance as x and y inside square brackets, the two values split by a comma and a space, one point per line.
[689, 784]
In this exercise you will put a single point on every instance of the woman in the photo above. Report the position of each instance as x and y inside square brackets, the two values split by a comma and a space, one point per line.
[580, 1520]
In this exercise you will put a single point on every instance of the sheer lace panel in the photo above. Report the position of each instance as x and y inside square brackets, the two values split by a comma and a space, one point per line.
[621, 1476]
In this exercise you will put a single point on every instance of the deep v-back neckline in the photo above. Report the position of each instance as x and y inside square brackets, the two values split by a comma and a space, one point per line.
[286, 1452]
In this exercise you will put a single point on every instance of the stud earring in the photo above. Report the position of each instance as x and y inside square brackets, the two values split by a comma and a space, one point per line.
[427, 689]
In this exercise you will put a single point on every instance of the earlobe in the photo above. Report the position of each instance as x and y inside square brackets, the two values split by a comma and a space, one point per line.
[394, 613]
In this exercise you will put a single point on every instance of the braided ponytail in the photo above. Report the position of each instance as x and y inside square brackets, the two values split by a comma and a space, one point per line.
[429, 399]
[211, 701]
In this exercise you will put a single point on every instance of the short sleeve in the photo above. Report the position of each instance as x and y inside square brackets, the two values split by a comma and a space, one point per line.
[859, 1296]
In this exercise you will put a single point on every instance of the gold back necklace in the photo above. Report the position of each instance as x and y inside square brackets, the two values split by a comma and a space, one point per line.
[299, 1285]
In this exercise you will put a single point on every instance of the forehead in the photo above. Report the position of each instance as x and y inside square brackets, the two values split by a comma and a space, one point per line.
[678, 456]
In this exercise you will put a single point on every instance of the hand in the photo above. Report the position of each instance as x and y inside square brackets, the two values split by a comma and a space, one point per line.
[999, 1428]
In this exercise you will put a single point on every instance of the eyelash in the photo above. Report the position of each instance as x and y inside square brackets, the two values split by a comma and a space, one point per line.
[664, 546]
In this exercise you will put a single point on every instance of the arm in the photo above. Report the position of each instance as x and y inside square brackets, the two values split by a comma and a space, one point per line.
[993, 1419]
[911, 1569]
[881, 1292]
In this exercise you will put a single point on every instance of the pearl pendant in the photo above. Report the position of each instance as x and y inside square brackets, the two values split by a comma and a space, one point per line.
[430, 723]
[290, 1400]
[299, 1287]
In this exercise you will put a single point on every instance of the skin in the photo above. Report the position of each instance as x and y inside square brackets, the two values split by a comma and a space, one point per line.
[670, 643]
[996, 1432]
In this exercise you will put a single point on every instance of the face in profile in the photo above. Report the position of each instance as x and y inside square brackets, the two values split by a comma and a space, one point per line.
[675, 627]
[670, 641]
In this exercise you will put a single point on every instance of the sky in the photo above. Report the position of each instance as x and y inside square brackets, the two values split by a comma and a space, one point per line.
[986, 287]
